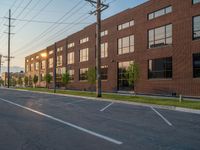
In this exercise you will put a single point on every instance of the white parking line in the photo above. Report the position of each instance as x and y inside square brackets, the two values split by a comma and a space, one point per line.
[106, 106]
[66, 123]
[169, 123]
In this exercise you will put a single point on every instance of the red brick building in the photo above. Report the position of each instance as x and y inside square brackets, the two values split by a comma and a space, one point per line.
[161, 36]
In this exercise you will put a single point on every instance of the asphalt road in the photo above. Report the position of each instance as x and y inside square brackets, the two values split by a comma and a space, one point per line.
[32, 121]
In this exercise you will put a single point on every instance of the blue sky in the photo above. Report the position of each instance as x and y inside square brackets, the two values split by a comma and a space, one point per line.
[28, 37]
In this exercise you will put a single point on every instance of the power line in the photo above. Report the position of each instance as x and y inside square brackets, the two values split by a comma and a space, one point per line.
[42, 9]
[49, 28]
[42, 22]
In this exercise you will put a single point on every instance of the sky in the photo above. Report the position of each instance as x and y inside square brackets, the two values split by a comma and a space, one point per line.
[40, 23]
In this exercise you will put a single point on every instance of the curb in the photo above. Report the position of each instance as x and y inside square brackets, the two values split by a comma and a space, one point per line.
[173, 108]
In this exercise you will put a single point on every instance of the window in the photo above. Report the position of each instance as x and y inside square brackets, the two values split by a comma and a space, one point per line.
[27, 68]
[50, 52]
[27, 60]
[43, 64]
[70, 45]
[71, 74]
[60, 71]
[50, 62]
[42, 77]
[160, 12]
[84, 40]
[161, 36]
[196, 27]
[32, 59]
[37, 66]
[195, 1]
[83, 74]
[32, 67]
[59, 60]
[104, 50]
[126, 25]
[122, 77]
[104, 72]
[196, 65]
[84, 54]
[104, 33]
[60, 49]
[70, 58]
[160, 68]
[126, 45]
[37, 57]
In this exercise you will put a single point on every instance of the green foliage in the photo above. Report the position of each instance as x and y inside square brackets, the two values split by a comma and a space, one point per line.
[20, 81]
[30, 81]
[13, 82]
[65, 78]
[48, 78]
[35, 80]
[1, 82]
[26, 81]
[132, 74]
[91, 75]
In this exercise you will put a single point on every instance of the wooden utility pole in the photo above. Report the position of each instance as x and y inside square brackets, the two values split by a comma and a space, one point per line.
[54, 67]
[9, 26]
[99, 8]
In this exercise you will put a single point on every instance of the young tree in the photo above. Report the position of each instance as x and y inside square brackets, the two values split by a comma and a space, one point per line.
[48, 79]
[30, 81]
[65, 79]
[91, 75]
[20, 81]
[26, 81]
[132, 74]
[35, 80]
[1, 82]
[13, 82]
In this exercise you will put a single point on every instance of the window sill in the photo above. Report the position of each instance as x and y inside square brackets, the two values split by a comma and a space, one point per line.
[161, 79]
[164, 46]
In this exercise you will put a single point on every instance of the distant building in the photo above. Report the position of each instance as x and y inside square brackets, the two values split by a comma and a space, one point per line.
[162, 36]
[14, 76]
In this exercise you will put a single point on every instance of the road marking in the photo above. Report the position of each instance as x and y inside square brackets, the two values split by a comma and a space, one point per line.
[106, 106]
[65, 123]
[169, 123]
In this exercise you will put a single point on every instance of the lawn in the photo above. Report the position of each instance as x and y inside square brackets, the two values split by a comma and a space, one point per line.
[139, 99]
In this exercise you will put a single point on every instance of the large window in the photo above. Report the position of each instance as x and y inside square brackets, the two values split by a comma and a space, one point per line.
[32, 67]
[104, 50]
[160, 12]
[84, 54]
[104, 72]
[70, 58]
[70, 45]
[50, 62]
[104, 33]
[161, 36]
[196, 27]
[37, 66]
[84, 40]
[50, 52]
[71, 74]
[126, 25]
[59, 49]
[195, 1]
[196, 65]
[43, 64]
[83, 74]
[122, 77]
[126, 45]
[160, 68]
[59, 60]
